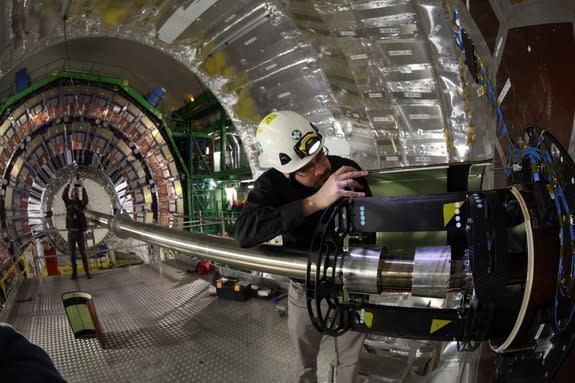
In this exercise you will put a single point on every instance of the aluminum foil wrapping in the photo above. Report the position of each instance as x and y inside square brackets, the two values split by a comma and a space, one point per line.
[381, 79]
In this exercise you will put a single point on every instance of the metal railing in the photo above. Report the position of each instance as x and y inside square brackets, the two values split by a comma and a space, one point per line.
[219, 225]
[12, 274]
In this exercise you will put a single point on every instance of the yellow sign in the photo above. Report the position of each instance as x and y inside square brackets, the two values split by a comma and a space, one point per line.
[438, 324]
[269, 118]
[450, 210]
[366, 317]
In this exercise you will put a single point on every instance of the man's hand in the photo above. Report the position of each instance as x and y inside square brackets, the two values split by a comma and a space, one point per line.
[339, 184]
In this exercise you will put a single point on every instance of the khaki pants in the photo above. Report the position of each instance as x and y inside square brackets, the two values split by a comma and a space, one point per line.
[306, 340]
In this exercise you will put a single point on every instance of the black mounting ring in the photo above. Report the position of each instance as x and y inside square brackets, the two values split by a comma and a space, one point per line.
[323, 291]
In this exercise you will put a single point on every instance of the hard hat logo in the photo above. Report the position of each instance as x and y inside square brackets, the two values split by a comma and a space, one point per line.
[296, 134]
[284, 158]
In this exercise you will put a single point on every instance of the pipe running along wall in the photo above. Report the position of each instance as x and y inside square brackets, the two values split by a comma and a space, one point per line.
[265, 258]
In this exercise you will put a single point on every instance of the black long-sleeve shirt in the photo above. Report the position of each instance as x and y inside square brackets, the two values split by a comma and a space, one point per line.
[75, 218]
[274, 207]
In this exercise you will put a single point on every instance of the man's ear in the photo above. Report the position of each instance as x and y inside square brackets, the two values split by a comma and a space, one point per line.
[286, 175]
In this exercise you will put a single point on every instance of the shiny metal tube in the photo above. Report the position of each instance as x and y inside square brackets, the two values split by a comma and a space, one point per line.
[431, 271]
[361, 270]
[395, 274]
[265, 258]
[236, 149]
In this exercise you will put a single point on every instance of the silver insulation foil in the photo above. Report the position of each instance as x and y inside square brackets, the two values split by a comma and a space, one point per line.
[382, 79]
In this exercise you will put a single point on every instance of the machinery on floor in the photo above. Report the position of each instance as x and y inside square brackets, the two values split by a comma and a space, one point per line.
[497, 267]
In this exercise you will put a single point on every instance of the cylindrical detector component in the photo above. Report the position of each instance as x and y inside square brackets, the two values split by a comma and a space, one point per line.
[431, 271]
[360, 271]
[395, 273]
[371, 271]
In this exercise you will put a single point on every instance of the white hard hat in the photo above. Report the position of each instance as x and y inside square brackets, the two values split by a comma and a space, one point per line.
[287, 140]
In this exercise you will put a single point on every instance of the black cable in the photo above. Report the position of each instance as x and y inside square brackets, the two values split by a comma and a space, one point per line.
[67, 59]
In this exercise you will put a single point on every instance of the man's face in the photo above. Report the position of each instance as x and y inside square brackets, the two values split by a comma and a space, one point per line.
[315, 173]
[75, 193]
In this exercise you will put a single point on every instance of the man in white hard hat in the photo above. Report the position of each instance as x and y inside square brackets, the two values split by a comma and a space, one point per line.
[288, 200]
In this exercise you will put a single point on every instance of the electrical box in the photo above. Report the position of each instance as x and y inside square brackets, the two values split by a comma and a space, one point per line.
[22, 80]
[233, 289]
[155, 96]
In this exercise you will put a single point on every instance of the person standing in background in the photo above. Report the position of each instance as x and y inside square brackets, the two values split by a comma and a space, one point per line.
[76, 223]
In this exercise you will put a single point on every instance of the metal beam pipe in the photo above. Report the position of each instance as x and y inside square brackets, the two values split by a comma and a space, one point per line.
[265, 258]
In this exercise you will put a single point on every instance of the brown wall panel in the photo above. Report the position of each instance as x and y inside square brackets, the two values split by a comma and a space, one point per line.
[538, 60]
[486, 21]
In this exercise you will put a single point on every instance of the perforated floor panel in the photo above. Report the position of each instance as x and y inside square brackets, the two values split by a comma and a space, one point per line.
[161, 325]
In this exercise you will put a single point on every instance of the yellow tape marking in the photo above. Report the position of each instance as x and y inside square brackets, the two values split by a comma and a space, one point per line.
[438, 324]
[449, 211]
[367, 318]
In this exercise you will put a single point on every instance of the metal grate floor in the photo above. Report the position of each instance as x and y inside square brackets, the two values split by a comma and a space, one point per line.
[161, 325]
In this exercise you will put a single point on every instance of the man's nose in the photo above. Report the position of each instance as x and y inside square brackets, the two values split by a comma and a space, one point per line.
[319, 168]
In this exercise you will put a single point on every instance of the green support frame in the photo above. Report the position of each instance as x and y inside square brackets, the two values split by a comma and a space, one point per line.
[182, 126]
[179, 125]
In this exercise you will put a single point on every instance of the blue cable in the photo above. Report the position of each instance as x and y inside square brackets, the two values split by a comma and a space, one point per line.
[533, 154]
